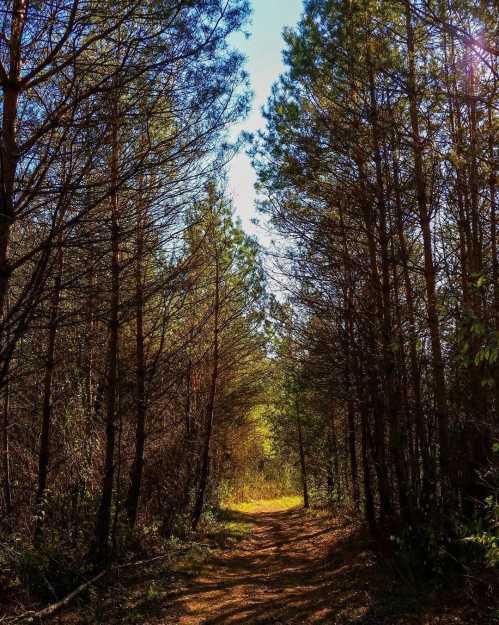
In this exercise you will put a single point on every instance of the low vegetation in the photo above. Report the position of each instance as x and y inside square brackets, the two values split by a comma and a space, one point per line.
[164, 379]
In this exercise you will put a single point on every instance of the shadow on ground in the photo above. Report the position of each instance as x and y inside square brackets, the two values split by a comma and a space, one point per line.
[292, 568]
[295, 568]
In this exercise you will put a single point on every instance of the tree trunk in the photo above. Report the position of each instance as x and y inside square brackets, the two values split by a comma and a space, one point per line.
[352, 446]
[88, 356]
[493, 246]
[477, 426]
[140, 374]
[45, 435]
[374, 373]
[439, 382]
[368, 491]
[391, 386]
[210, 408]
[8, 146]
[103, 521]
[428, 471]
[301, 451]
[333, 464]
[7, 487]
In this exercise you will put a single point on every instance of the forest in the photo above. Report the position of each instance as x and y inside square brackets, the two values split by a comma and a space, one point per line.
[160, 367]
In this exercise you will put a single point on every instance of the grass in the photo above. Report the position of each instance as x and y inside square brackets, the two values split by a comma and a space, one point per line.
[267, 505]
[192, 561]
[232, 523]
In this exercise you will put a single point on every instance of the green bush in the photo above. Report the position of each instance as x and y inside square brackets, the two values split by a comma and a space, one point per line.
[485, 533]
[45, 573]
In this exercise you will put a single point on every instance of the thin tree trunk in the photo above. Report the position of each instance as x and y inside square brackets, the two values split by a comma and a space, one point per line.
[140, 374]
[374, 369]
[301, 451]
[333, 464]
[368, 490]
[428, 472]
[103, 521]
[493, 243]
[210, 408]
[391, 387]
[8, 146]
[477, 426]
[45, 435]
[352, 446]
[439, 382]
[407, 433]
[7, 487]
[89, 390]
[190, 432]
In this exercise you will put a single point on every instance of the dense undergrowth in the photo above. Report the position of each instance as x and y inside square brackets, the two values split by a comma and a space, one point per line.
[421, 563]
[36, 576]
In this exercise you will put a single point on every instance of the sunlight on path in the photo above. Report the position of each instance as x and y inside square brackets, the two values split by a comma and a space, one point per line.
[293, 568]
[267, 505]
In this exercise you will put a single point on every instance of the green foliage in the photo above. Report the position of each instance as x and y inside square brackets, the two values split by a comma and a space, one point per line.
[428, 551]
[485, 530]
[479, 347]
[490, 544]
[227, 527]
[275, 480]
[192, 561]
[45, 573]
[421, 552]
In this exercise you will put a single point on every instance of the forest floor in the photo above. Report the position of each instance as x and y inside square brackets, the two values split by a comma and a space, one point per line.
[287, 567]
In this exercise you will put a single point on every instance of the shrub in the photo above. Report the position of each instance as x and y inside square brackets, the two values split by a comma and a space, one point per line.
[45, 573]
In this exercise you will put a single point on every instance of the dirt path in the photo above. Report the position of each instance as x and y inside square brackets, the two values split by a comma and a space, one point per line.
[293, 569]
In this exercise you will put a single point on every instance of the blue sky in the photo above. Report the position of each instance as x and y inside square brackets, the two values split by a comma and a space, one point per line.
[263, 50]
